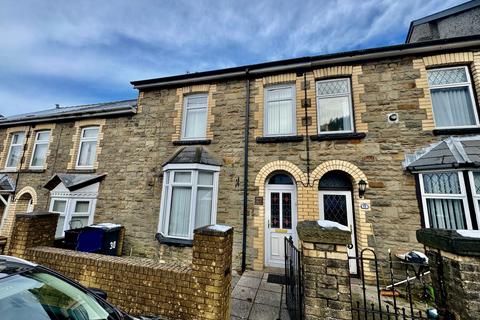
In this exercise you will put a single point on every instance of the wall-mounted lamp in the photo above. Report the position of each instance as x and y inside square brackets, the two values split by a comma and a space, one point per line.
[362, 186]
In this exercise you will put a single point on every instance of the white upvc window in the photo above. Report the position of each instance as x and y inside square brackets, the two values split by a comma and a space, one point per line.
[40, 149]
[474, 177]
[195, 109]
[189, 199]
[280, 113]
[87, 149]
[334, 106]
[444, 199]
[15, 151]
[74, 213]
[453, 102]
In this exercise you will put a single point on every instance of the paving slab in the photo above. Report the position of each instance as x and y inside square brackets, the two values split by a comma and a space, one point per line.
[249, 282]
[274, 287]
[241, 308]
[253, 274]
[264, 312]
[244, 293]
[284, 314]
[269, 298]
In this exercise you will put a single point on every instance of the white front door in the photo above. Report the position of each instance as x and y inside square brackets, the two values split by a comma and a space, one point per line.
[337, 206]
[280, 222]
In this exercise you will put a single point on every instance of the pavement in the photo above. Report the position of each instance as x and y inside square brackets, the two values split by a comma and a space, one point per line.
[254, 298]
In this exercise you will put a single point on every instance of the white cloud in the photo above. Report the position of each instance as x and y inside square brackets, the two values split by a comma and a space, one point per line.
[84, 43]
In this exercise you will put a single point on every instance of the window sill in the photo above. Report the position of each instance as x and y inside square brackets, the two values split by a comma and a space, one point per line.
[77, 170]
[438, 132]
[191, 142]
[279, 139]
[338, 136]
[32, 170]
[173, 242]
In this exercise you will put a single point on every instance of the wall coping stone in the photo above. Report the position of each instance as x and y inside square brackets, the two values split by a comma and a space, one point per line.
[311, 231]
[214, 230]
[449, 241]
[36, 214]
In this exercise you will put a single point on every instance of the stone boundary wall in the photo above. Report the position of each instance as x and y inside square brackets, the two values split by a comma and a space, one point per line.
[140, 286]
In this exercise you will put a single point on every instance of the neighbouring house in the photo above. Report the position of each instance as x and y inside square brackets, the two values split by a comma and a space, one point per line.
[381, 140]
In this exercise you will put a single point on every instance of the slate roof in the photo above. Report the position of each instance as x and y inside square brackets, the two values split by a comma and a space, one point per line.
[73, 181]
[193, 154]
[453, 152]
[6, 183]
[82, 111]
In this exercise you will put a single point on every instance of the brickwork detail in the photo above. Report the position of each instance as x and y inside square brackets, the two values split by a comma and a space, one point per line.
[211, 89]
[79, 125]
[471, 59]
[140, 286]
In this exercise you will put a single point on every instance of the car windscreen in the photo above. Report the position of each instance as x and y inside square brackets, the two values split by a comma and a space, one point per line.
[42, 296]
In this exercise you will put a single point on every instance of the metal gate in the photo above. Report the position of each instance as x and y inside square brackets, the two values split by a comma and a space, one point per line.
[293, 280]
[390, 289]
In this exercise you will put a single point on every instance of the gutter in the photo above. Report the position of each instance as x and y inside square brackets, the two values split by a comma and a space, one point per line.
[292, 65]
[63, 117]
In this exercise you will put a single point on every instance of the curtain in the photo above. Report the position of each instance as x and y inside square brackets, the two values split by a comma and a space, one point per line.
[204, 207]
[15, 154]
[279, 117]
[39, 155]
[180, 211]
[195, 123]
[334, 114]
[446, 213]
[87, 153]
[452, 107]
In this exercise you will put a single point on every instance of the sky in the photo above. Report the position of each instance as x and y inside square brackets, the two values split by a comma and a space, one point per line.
[81, 52]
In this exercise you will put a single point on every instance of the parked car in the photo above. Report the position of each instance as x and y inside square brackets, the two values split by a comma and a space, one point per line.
[30, 291]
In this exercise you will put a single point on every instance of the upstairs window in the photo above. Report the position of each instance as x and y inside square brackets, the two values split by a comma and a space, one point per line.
[16, 150]
[444, 198]
[280, 110]
[195, 117]
[452, 97]
[40, 148]
[87, 148]
[189, 201]
[334, 106]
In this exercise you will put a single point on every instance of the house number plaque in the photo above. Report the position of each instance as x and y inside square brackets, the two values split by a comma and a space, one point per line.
[258, 201]
[364, 206]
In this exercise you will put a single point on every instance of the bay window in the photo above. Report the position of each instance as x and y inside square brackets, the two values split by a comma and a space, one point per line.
[445, 200]
[334, 106]
[189, 199]
[40, 149]
[453, 102]
[74, 213]
[195, 116]
[87, 148]
[15, 151]
[280, 113]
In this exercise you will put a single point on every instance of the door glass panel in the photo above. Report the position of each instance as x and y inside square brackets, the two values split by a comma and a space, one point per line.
[287, 210]
[275, 209]
[335, 208]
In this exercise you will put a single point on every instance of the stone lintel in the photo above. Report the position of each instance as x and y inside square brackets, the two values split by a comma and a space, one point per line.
[449, 241]
[214, 230]
[310, 231]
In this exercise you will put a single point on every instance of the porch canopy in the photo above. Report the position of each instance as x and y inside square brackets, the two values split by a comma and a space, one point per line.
[193, 154]
[7, 185]
[451, 153]
[73, 181]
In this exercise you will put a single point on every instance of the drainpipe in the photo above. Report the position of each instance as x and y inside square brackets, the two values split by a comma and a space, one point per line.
[307, 138]
[245, 172]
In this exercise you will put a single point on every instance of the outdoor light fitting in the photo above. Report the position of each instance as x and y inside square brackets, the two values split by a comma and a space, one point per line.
[362, 186]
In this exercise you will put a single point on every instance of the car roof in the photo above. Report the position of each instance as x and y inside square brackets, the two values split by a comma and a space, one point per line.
[12, 265]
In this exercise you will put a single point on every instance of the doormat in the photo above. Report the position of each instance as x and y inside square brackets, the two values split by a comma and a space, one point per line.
[276, 278]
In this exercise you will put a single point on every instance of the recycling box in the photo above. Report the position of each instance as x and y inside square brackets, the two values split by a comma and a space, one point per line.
[103, 238]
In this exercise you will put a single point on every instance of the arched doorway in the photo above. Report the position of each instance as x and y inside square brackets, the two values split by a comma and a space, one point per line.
[335, 204]
[280, 217]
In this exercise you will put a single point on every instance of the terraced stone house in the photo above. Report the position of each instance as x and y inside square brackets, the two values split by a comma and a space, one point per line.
[382, 140]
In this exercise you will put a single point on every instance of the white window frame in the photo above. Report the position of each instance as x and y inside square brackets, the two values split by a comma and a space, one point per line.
[461, 196]
[290, 86]
[475, 197]
[166, 199]
[10, 149]
[186, 108]
[36, 143]
[82, 140]
[335, 95]
[71, 201]
[467, 84]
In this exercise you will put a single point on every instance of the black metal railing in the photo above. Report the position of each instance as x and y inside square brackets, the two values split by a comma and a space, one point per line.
[293, 280]
[390, 289]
